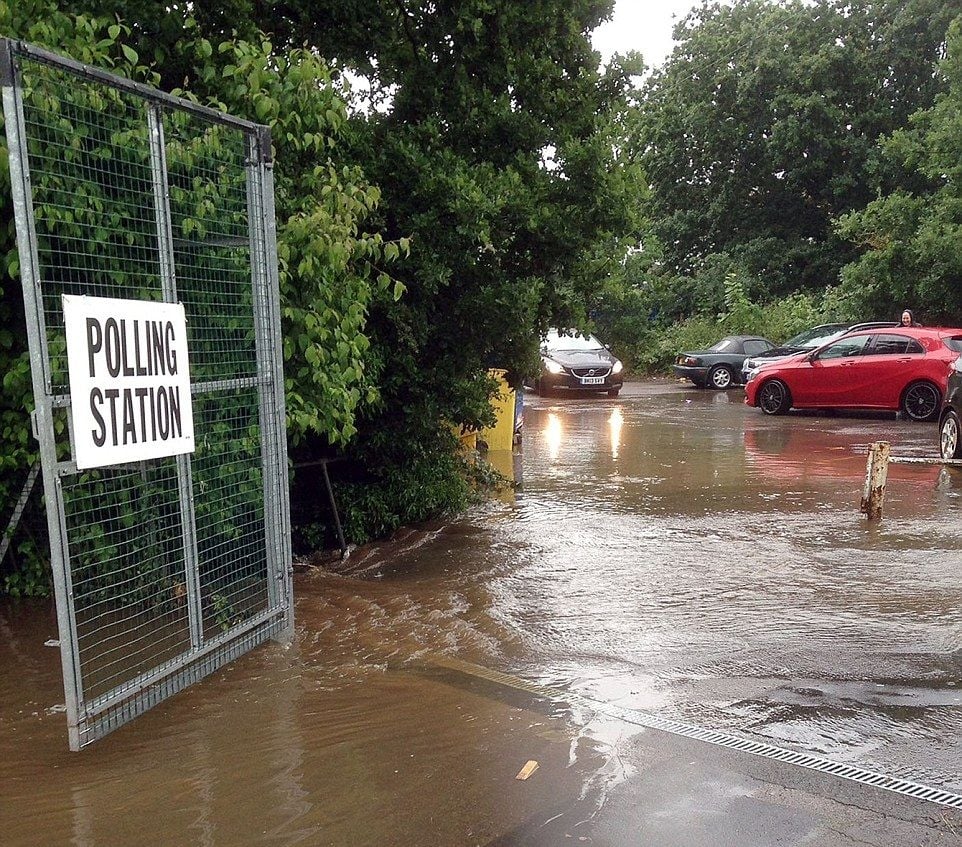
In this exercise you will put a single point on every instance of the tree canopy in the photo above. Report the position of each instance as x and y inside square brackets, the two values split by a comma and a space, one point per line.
[911, 237]
[761, 128]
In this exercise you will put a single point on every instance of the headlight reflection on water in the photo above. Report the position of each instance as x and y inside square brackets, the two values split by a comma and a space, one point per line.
[615, 423]
[553, 434]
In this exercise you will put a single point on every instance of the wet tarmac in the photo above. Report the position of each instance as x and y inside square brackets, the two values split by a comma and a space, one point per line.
[669, 553]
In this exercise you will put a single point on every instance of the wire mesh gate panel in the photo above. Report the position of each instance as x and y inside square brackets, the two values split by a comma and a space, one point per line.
[166, 569]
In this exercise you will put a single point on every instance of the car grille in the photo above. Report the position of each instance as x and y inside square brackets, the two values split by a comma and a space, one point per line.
[598, 371]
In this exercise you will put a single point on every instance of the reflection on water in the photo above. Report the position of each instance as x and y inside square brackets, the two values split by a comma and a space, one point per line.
[725, 554]
[668, 551]
[615, 423]
[553, 435]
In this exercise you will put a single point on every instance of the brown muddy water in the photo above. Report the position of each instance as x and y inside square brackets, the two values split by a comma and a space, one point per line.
[669, 550]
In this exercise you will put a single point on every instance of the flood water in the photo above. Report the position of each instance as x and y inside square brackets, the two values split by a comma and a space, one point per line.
[669, 550]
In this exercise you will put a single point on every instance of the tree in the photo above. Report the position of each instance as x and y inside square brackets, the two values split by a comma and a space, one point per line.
[910, 239]
[761, 128]
[492, 146]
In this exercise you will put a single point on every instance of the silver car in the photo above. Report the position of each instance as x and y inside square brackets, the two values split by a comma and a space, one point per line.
[808, 340]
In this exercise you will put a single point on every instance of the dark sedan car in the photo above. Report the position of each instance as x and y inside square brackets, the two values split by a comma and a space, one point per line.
[950, 418]
[573, 362]
[720, 366]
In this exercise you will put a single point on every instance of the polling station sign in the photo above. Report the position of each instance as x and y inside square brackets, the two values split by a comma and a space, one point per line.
[127, 362]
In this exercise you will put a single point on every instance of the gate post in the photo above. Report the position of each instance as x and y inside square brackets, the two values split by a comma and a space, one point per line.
[30, 280]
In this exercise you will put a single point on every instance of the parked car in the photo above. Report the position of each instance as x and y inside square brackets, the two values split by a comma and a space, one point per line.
[808, 340]
[574, 362]
[900, 369]
[720, 366]
[950, 419]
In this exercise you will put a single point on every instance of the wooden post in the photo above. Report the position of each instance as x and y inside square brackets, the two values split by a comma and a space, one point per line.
[876, 472]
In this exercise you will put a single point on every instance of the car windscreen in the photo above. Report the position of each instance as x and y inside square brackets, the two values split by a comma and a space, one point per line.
[954, 343]
[726, 345]
[815, 337]
[845, 348]
[577, 343]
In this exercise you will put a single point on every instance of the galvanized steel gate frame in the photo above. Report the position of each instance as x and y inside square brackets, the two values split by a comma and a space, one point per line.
[91, 716]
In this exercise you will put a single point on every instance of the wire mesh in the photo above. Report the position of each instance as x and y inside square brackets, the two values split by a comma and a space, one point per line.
[211, 241]
[168, 567]
[93, 201]
[231, 529]
[128, 571]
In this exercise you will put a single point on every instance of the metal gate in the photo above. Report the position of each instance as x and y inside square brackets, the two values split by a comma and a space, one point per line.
[165, 569]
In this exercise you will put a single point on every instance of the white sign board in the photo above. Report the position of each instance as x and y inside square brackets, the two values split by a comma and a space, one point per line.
[129, 380]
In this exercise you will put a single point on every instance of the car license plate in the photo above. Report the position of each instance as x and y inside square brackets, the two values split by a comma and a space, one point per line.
[592, 380]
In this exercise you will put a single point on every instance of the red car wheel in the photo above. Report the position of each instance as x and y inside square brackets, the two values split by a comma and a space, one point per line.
[774, 397]
[921, 401]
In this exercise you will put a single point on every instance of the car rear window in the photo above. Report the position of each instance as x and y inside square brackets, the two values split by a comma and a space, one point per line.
[954, 343]
[726, 345]
[895, 345]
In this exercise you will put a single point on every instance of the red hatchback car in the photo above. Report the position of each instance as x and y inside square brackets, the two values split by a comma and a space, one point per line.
[899, 369]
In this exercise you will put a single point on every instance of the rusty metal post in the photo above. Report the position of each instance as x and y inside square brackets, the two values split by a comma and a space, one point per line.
[876, 472]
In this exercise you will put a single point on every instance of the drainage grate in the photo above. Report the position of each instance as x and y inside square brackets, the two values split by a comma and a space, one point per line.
[791, 757]
[648, 720]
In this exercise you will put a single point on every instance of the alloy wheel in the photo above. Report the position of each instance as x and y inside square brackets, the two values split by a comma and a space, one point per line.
[721, 378]
[771, 398]
[921, 401]
[949, 437]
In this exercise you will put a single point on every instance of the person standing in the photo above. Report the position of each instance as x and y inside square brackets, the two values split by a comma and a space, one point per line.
[908, 319]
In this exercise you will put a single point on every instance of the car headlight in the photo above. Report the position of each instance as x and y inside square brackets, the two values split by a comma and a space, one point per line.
[749, 364]
[617, 367]
[552, 367]
[751, 375]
